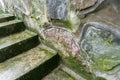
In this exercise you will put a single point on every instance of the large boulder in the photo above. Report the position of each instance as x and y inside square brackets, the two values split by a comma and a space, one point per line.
[101, 47]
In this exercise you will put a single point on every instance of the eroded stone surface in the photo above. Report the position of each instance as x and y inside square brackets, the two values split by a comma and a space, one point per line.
[92, 8]
[83, 4]
[116, 5]
[58, 75]
[62, 40]
[102, 45]
[22, 64]
[57, 9]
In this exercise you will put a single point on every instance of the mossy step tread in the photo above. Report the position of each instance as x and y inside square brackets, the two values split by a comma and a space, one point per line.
[58, 75]
[20, 65]
[5, 15]
[11, 22]
[15, 38]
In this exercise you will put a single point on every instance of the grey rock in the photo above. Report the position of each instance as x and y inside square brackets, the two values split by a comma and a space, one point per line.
[92, 8]
[57, 9]
[116, 5]
[102, 44]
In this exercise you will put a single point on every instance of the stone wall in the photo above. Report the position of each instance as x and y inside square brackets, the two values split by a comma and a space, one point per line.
[58, 24]
[58, 12]
[40, 15]
[55, 21]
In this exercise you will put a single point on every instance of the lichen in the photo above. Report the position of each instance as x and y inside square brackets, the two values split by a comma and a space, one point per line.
[103, 49]
[66, 24]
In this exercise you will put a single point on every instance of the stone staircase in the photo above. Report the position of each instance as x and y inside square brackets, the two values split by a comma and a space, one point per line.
[23, 57]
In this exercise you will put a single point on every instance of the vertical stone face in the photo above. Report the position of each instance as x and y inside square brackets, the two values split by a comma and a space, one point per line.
[57, 9]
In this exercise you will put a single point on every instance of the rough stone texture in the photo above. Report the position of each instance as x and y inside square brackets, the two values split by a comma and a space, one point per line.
[35, 15]
[7, 6]
[63, 40]
[11, 27]
[83, 4]
[18, 66]
[116, 5]
[6, 17]
[39, 12]
[111, 20]
[2, 5]
[59, 12]
[92, 8]
[72, 73]
[57, 9]
[102, 44]
[58, 75]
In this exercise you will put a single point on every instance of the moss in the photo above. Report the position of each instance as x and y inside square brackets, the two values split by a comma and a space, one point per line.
[105, 62]
[103, 48]
[17, 37]
[58, 75]
[10, 22]
[76, 66]
[4, 15]
[100, 78]
[45, 50]
[66, 24]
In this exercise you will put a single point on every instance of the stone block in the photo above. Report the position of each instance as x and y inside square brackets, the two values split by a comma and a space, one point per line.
[102, 43]
[57, 9]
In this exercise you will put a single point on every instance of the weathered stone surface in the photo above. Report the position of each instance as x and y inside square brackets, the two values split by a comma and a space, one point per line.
[116, 5]
[92, 8]
[83, 4]
[74, 20]
[34, 13]
[15, 44]
[63, 40]
[102, 44]
[58, 75]
[6, 17]
[57, 9]
[16, 67]
[3, 5]
[11, 27]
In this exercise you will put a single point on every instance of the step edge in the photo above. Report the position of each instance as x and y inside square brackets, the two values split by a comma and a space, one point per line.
[72, 73]
[17, 41]
[45, 60]
[6, 16]
[11, 22]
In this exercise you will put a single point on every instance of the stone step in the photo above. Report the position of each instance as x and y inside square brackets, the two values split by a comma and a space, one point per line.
[17, 43]
[31, 65]
[58, 74]
[10, 27]
[72, 73]
[6, 17]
